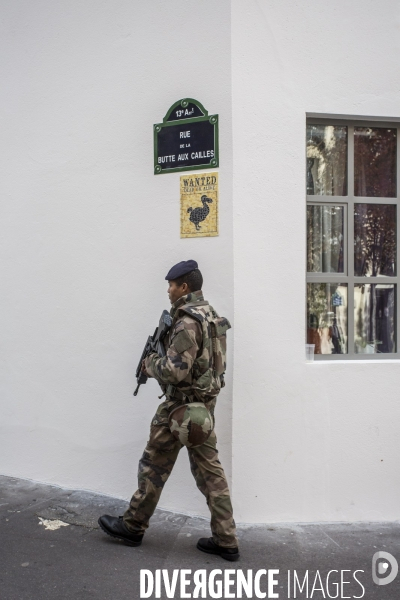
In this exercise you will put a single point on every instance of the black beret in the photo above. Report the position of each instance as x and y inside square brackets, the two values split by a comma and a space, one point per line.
[180, 269]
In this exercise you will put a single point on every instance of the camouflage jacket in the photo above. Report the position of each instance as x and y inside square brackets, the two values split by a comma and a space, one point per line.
[188, 348]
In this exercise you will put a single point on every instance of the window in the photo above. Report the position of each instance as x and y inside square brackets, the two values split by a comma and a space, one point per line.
[352, 173]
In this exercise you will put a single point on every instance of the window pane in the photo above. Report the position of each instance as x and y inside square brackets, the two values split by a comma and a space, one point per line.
[375, 162]
[325, 238]
[327, 317]
[326, 160]
[374, 240]
[374, 318]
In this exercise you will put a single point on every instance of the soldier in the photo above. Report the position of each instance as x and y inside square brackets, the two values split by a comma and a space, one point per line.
[191, 376]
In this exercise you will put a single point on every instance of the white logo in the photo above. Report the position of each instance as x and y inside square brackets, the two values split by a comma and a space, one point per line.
[381, 568]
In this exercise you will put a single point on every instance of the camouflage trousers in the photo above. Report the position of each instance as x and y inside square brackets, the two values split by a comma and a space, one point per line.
[155, 466]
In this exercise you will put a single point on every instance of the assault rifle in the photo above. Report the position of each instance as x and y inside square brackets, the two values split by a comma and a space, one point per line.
[154, 344]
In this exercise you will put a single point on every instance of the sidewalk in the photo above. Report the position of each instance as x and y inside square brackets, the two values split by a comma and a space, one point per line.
[79, 561]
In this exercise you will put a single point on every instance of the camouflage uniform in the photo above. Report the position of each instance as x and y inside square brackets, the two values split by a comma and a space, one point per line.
[174, 373]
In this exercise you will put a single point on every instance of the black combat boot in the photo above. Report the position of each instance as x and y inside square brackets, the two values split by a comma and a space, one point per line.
[208, 545]
[116, 527]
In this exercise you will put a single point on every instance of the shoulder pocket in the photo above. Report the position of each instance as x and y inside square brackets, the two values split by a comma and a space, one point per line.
[182, 341]
[221, 326]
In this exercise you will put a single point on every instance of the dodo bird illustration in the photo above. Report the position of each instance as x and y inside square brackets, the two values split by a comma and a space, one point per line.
[197, 215]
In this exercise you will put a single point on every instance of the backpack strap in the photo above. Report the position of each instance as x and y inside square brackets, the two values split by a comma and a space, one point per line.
[214, 345]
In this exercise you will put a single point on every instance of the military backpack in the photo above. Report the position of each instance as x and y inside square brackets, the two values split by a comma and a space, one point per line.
[209, 368]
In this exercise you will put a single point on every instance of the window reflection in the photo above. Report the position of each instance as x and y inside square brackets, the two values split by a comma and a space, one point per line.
[374, 318]
[374, 240]
[327, 317]
[325, 235]
[375, 162]
[326, 160]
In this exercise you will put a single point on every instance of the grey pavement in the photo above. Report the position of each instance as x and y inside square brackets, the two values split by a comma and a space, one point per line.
[78, 561]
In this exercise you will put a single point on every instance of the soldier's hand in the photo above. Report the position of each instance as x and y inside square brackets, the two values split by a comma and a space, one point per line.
[144, 368]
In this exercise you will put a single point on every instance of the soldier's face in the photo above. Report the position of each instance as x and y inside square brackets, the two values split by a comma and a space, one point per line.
[176, 291]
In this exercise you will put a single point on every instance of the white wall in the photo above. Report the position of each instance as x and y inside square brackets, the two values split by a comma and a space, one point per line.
[310, 442]
[88, 233]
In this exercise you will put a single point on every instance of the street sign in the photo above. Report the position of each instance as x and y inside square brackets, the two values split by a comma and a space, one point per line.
[187, 139]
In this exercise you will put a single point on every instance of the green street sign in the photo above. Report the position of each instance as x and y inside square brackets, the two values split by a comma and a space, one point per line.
[187, 139]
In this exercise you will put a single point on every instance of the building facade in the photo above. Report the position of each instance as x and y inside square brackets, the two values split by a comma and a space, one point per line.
[89, 232]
